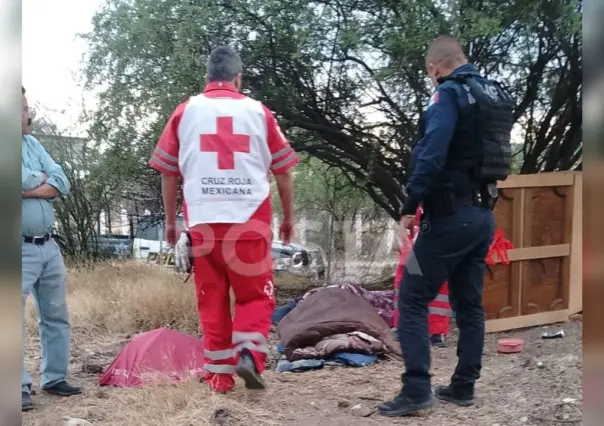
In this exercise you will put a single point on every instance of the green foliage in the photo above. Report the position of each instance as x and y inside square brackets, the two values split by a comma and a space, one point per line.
[92, 189]
[321, 189]
[346, 79]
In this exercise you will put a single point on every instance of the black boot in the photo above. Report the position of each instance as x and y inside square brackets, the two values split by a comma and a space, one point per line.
[438, 341]
[246, 369]
[63, 389]
[402, 406]
[447, 393]
[26, 402]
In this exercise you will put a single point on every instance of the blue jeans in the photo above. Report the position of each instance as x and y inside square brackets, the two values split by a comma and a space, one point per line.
[449, 248]
[44, 276]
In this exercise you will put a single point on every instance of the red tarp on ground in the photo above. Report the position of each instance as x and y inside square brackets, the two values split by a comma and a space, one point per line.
[156, 357]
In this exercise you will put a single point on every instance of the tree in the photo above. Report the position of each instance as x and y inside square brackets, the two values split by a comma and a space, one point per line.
[330, 204]
[321, 188]
[95, 188]
[345, 77]
[78, 213]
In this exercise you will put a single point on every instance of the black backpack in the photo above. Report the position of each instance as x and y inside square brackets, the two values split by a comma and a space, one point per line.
[495, 123]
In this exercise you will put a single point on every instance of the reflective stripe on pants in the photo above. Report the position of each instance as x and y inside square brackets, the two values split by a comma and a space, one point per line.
[439, 312]
[219, 355]
[219, 368]
[218, 271]
[252, 341]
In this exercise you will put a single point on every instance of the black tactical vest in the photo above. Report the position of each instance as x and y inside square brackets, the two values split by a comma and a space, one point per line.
[490, 160]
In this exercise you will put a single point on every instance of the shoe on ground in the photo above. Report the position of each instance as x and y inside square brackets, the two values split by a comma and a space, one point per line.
[402, 406]
[246, 369]
[26, 402]
[438, 341]
[63, 389]
[446, 393]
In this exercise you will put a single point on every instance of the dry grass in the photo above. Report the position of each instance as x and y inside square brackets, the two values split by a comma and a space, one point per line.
[107, 305]
[189, 403]
[128, 298]
[112, 302]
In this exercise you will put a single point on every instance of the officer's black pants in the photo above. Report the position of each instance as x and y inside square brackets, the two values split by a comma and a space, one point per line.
[449, 248]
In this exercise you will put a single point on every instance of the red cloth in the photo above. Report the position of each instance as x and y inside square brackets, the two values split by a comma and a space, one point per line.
[246, 267]
[498, 252]
[156, 357]
[439, 309]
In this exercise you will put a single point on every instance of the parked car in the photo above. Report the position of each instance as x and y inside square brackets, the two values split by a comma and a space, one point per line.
[106, 245]
[149, 237]
[287, 258]
[297, 260]
[114, 245]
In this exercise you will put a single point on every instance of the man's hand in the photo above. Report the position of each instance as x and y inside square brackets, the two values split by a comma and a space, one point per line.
[407, 224]
[286, 193]
[172, 233]
[44, 191]
[44, 177]
[406, 227]
[285, 230]
[169, 190]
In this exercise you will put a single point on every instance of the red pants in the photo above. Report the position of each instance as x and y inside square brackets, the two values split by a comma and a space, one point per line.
[246, 267]
[439, 312]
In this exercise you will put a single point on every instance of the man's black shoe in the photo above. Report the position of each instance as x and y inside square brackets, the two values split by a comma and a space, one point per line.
[438, 341]
[246, 369]
[388, 405]
[402, 406]
[446, 393]
[63, 389]
[26, 402]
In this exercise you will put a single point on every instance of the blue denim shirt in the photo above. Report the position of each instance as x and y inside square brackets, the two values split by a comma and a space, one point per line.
[38, 216]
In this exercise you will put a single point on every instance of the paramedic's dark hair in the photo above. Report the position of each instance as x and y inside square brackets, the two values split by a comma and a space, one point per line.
[22, 90]
[223, 64]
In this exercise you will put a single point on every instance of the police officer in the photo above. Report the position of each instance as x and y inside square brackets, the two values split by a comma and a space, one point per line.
[464, 150]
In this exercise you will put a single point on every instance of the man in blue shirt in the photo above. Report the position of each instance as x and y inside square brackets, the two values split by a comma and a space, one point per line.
[455, 234]
[43, 270]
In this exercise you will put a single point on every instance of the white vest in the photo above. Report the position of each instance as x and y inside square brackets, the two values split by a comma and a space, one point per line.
[231, 193]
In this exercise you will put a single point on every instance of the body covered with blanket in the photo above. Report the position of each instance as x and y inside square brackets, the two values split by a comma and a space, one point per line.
[331, 312]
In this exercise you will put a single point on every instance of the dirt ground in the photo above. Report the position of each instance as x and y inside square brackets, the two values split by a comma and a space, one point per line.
[541, 386]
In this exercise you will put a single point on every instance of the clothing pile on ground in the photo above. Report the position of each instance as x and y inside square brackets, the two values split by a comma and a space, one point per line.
[341, 324]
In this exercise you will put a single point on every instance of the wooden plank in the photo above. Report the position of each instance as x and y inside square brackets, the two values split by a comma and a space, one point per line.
[518, 212]
[513, 323]
[575, 291]
[527, 218]
[538, 180]
[543, 252]
[567, 237]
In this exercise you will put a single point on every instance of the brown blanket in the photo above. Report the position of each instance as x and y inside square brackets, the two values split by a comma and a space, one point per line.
[328, 312]
[356, 342]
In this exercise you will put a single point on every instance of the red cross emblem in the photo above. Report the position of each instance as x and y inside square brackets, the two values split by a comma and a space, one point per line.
[225, 143]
